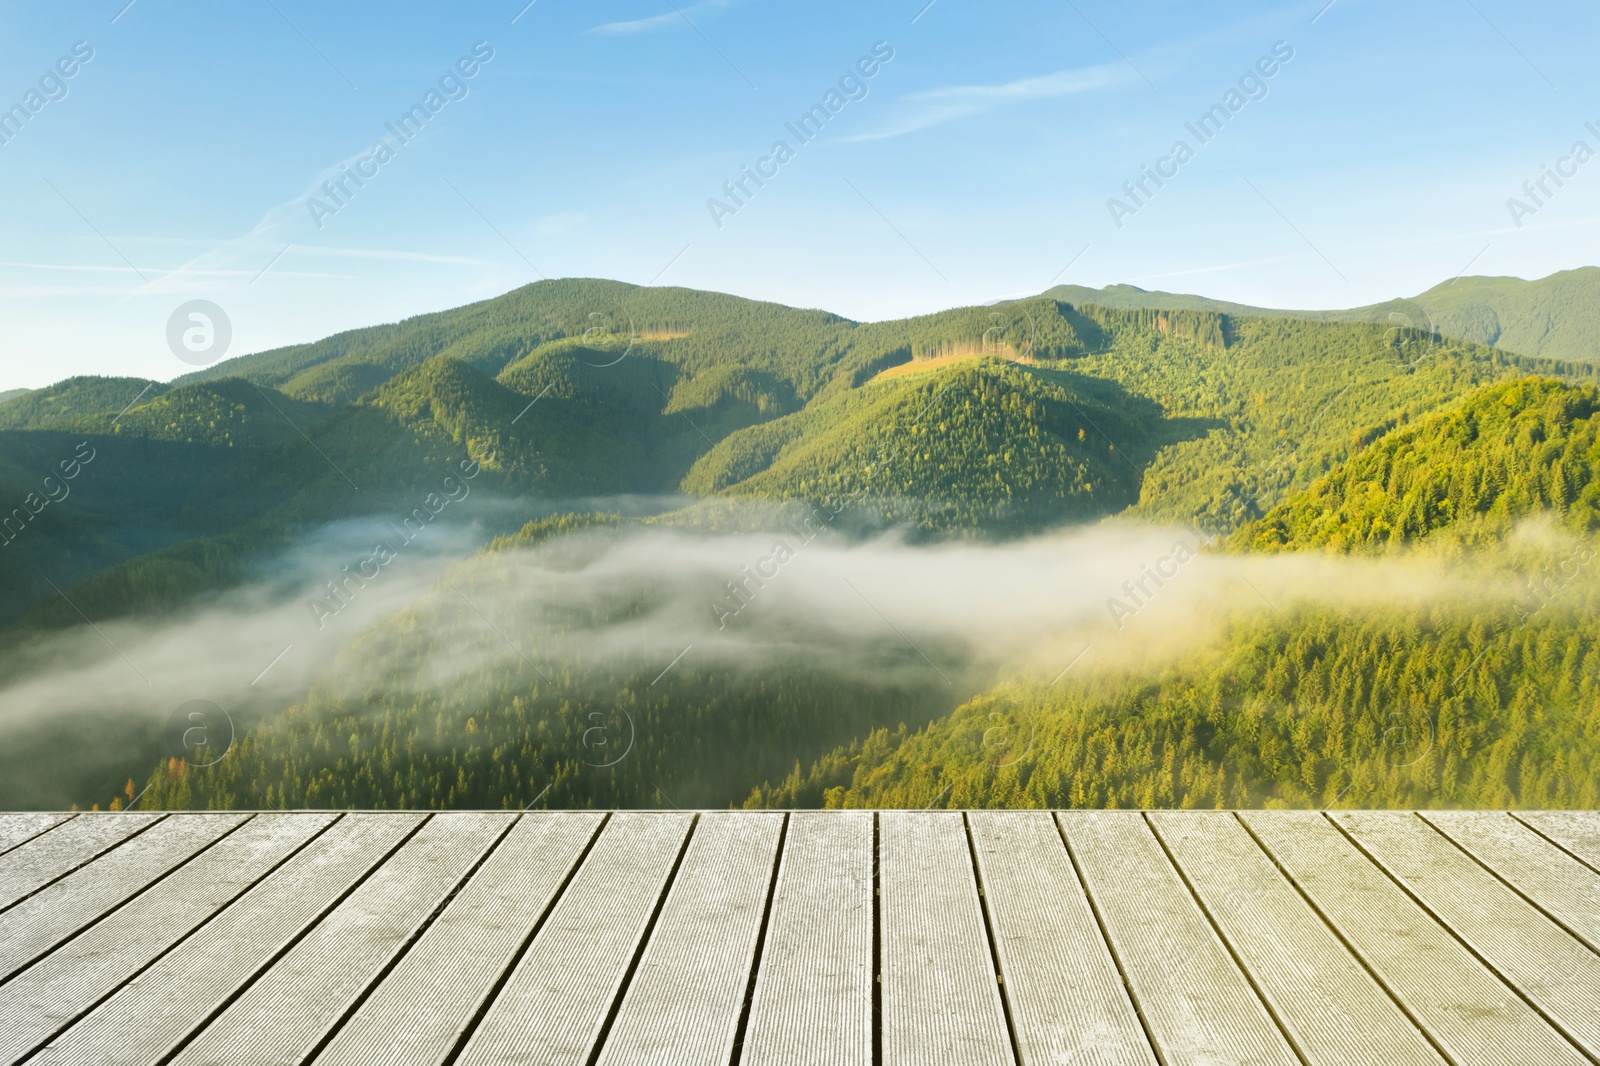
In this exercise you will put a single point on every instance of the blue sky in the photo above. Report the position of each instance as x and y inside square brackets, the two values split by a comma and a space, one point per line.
[177, 162]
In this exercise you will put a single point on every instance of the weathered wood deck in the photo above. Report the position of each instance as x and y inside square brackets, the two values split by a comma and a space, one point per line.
[990, 937]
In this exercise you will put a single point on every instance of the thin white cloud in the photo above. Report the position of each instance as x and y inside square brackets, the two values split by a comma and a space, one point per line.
[560, 223]
[1217, 268]
[675, 17]
[67, 266]
[386, 254]
[390, 254]
[934, 107]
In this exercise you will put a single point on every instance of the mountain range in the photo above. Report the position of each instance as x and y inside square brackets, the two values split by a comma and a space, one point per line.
[590, 412]
[1552, 316]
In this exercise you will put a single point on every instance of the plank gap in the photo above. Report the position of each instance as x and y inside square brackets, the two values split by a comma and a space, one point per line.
[644, 942]
[158, 879]
[35, 835]
[994, 951]
[416, 934]
[1111, 947]
[1227, 945]
[267, 964]
[1534, 826]
[1338, 935]
[92, 1004]
[74, 869]
[1450, 930]
[516, 958]
[761, 942]
[1492, 872]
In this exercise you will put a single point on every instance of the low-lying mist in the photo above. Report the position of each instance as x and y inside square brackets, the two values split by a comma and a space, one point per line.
[354, 614]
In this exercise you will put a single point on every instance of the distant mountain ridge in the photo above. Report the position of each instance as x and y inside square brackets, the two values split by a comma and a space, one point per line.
[1557, 317]
[976, 423]
[973, 422]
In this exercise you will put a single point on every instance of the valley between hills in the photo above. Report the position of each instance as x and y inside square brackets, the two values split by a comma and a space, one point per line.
[590, 544]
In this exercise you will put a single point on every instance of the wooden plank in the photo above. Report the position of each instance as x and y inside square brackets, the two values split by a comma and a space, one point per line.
[1576, 831]
[453, 968]
[1551, 968]
[1195, 1002]
[941, 996]
[683, 1005]
[53, 914]
[555, 1004]
[1558, 884]
[29, 867]
[275, 1021]
[158, 1010]
[1332, 1009]
[61, 987]
[1068, 1003]
[1469, 1012]
[813, 996]
[18, 828]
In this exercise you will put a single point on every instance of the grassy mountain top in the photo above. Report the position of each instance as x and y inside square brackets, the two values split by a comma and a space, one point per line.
[1557, 316]
[1131, 298]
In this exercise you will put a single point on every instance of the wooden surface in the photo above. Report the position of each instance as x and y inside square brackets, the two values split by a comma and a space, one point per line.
[1074, 938]
[1328, 1005]
[941, 1000]
[814, 990]
[1198, 1005]
[1473, 1015]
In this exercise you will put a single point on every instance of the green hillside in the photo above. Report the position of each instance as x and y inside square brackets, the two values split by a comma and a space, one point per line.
[1133, 298]
[706, 413]
[970, 422]
[1557, 317]
[1317, 708]
[1468, 473]
[230, 413]
[74, 402]
[1483, 704]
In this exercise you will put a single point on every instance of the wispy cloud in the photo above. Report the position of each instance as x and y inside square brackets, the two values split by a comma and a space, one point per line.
[560, 223]
[386, 254]
[1217, 268]
[675, 17]
[934, 107]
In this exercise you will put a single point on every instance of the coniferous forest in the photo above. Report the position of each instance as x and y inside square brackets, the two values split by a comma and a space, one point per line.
[590, 544]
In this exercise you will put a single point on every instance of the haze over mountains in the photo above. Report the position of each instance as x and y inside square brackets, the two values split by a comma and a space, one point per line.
[664, 472]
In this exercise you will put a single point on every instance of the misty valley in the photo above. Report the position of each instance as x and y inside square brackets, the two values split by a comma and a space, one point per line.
[591, 544]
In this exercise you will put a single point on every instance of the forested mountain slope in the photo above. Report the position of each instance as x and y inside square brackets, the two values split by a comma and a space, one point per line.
[1556, 316]
[1484, 700]
[1469, 472]
[980, 421]
[567, 717]
[1489, 702]
[975, 425]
